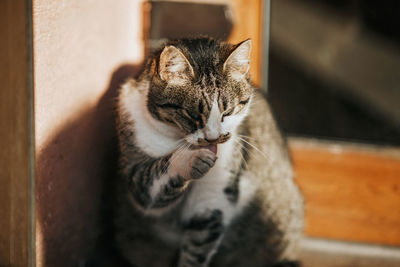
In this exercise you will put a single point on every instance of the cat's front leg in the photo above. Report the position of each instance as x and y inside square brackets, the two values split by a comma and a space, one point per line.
[157, 184]
[206, 214]
[183, 168]
[202, 233]
[202, 236]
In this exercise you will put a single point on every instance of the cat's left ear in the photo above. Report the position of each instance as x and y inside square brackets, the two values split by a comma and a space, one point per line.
[238, 62]
[174, 66]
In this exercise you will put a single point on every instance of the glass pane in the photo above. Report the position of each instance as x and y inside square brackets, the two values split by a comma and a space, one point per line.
[334, 69]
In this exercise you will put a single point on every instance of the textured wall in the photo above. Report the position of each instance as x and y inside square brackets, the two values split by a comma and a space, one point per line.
[81, 53]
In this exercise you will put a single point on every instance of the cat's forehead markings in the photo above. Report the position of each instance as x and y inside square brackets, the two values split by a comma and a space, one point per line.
[206, 99]
[209, 81]
[213, 80]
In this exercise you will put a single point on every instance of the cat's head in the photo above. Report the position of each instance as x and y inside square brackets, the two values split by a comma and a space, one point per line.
[201, 87]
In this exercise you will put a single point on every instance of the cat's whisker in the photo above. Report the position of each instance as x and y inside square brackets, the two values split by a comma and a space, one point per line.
[241, 154]
[164, 169]
[180, 141]
[182, 153]
[253, 146]
[243, 146]
[178, 150]
[246, 148]
[182, 149]
[245, 136]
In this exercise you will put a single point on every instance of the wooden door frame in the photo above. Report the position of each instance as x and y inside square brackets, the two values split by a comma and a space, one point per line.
[17, 236]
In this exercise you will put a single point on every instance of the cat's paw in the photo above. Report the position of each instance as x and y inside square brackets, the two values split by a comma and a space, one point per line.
[200, 162]
[193, 164]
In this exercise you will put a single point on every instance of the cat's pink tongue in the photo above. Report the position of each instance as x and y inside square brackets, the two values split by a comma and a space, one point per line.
[213, 148]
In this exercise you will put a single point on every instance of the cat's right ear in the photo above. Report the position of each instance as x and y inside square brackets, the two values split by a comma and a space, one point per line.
[238, 62]
[174, 66]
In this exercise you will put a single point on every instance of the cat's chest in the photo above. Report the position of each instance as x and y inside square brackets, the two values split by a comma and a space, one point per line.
[207, 193]
[220, 173]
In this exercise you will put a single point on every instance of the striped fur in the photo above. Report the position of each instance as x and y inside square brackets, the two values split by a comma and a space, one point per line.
[205, 176]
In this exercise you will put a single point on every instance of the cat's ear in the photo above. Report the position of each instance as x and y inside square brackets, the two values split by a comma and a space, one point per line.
[238, 62]
[174, 66]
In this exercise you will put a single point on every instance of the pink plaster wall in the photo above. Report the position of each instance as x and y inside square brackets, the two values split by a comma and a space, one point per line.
[82, 50]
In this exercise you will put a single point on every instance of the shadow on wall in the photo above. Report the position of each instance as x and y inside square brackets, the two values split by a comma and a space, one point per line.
[74, 171]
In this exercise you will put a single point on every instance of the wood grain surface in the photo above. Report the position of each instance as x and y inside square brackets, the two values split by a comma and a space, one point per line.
[351, 192]
[16, 135]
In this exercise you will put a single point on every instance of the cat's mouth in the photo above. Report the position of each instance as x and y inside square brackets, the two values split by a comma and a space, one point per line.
[211, 145]
[213, 148]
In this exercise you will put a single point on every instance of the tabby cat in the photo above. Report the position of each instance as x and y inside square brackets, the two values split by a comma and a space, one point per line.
[206, 179]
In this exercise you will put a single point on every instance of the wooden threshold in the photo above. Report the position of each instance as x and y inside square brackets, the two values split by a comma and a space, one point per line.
[352, 192]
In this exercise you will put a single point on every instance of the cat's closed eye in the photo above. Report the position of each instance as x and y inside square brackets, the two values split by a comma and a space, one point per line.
[169, 105]
[240, 106]
[190, 115]
[244, 102]
[227, 113]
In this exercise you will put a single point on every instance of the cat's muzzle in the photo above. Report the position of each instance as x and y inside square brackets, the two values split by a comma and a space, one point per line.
[221, 139]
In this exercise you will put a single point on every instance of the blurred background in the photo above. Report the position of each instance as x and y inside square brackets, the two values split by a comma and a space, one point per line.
[329, 69]
[334, 69]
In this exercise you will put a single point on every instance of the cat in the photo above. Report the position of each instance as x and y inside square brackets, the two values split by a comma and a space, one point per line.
[205, 176]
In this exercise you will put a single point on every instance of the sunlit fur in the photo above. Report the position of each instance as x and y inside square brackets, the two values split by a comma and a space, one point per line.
[180, 203]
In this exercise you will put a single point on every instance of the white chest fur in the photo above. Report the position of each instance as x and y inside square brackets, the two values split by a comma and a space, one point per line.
[152, 137]
[208, 192]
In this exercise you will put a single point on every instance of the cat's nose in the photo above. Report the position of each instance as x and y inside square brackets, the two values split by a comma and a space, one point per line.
[221, 139]
[211, 133]
[212, 141]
